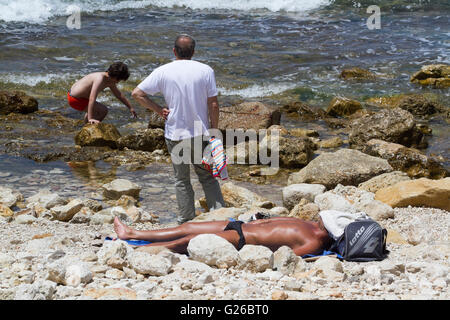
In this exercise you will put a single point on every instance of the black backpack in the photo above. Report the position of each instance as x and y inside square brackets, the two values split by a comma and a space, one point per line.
[362, 240]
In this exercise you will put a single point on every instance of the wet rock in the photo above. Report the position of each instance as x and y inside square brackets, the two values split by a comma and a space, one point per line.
[303, 111]
[394, 125]
[156, 121]
[345, 166]
[144, 140]
[115, 189]
[17, 102]
[416, 193]
[435, 75]
[409, 160]
[334, 142]
[300, 132]
[357, 74]
[292, 194]
[248, 115]
[213, 251]
[418, 105]
[343, 107]
[98, 135]
[383, 181]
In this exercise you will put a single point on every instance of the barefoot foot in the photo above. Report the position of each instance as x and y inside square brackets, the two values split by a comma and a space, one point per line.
[123, 232]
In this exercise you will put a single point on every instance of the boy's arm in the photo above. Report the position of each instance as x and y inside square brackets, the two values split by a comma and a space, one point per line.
[145, 101]
[119, 95]
[92, 99]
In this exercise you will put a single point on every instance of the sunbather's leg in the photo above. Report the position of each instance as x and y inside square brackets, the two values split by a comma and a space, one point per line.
[189, 228]
[180, 245]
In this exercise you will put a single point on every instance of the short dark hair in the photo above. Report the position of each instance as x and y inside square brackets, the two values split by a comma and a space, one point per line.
[119, 70]
[184, 51]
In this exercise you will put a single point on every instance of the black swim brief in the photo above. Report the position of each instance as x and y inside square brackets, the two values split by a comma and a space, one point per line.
[237, 226]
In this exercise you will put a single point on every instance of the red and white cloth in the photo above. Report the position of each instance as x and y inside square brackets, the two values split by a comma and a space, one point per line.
[215, 160]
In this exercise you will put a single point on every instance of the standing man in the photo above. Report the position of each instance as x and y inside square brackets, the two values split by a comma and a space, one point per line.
[189, 89]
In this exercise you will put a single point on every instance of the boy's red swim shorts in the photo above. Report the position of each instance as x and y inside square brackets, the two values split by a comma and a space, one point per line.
[79, 104]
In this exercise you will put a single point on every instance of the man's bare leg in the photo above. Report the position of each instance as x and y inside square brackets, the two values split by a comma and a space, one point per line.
[169, 234]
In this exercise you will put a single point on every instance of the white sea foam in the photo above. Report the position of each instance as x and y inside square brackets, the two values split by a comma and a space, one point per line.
[33, 79]
[257, 90]
[40, 11]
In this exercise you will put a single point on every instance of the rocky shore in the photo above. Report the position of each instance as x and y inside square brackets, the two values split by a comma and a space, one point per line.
[366, 156]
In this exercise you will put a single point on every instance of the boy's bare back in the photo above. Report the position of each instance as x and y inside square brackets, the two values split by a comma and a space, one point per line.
[83, 87]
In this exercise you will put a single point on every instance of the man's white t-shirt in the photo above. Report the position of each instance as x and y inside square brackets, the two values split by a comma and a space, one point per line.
[186, 86]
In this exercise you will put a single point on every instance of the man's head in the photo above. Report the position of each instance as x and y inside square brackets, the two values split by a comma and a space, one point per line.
[184, 47]
[119, 71]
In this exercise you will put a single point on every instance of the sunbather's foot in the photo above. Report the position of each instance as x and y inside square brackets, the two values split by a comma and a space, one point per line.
[123, 232]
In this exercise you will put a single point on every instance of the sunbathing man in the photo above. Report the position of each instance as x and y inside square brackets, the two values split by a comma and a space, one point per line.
[303, 237]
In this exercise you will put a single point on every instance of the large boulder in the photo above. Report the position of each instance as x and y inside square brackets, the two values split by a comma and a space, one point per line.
[436, 75]
[353, 200]
[98, 135]
[383, 181]
[418, 105]
[17, 102]
[343, 107]
[144, 140]
[421, 192]
[410, 160]
[255, 258]
[248, 115]
[240, 197]
[293, 152]
[392, 125]
[213, 250]
[345, 166]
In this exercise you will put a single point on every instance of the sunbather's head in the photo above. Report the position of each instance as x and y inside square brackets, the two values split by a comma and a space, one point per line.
[119, 71]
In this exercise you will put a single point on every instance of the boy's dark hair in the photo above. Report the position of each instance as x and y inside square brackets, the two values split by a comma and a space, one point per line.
[119, 70]
[184, 50]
